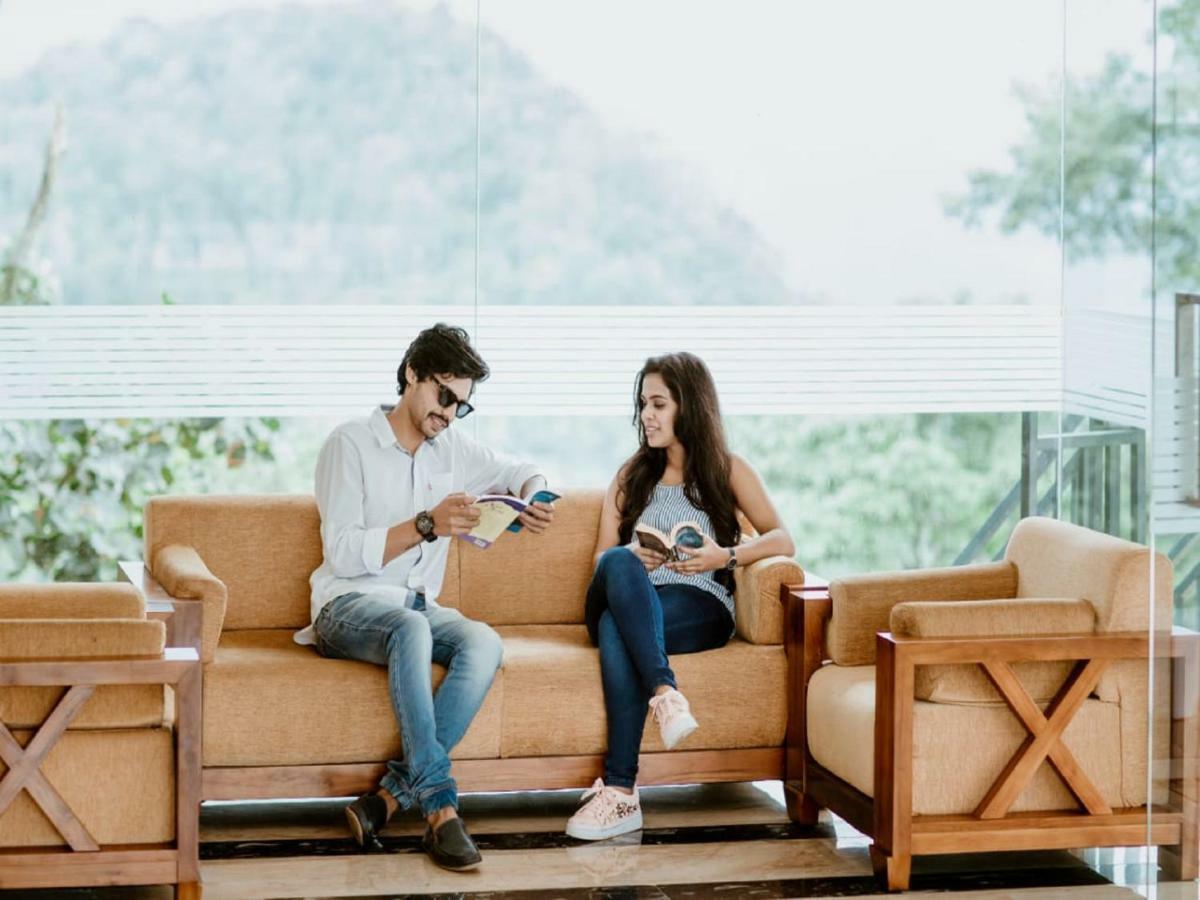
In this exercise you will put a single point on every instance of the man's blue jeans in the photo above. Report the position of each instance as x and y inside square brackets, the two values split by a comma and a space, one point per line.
[636, 625]
[376, 630]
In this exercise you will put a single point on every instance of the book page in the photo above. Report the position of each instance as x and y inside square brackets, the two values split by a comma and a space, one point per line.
[495, 514]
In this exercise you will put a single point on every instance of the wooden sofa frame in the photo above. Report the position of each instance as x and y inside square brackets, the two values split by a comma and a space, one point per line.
[898, 835]
[87, 863]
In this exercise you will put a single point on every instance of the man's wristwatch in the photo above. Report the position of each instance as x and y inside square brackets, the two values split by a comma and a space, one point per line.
[731, 563]
[425, 526]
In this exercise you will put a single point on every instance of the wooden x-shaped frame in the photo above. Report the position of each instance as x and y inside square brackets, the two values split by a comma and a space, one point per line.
[1044, 739]
[24, 769]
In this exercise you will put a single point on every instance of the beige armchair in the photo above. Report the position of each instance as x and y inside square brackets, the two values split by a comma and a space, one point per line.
[99, 773]
[1002, 706]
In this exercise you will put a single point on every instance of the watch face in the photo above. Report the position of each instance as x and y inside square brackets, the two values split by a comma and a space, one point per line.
[424, 524]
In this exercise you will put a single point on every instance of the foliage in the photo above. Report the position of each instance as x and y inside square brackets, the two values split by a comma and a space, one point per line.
[883, 492]
[72, 491]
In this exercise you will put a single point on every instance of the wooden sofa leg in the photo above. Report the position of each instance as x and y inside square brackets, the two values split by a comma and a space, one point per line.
[800, 807]
[1176, 866]
[188, 890]
[893, 872]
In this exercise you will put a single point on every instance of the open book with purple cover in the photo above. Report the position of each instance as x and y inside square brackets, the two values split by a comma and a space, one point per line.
[498, 513]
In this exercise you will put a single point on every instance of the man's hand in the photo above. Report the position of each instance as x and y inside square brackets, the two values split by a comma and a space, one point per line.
[708, 558]
[454, 515]
[537, 517]
[651, 559]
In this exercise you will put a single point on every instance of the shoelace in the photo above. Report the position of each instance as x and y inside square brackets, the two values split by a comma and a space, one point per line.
[605, 797]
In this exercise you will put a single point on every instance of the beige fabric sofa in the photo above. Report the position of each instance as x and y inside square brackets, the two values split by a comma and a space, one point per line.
[927, 695]
[99, 740]
[279, 720]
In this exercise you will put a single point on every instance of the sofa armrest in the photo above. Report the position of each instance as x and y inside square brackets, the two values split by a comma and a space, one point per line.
[758, 611]
[184, 576]
[862, 604]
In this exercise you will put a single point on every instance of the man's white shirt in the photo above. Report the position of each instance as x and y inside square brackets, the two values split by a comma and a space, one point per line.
[366, 483]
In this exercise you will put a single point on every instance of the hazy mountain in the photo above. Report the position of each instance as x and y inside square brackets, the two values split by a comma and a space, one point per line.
[328, 154]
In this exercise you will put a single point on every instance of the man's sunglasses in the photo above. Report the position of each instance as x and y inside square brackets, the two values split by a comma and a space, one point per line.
[447, 397]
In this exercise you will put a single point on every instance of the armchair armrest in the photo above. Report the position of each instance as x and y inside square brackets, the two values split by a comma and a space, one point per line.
[758, 611]
[807, 609]
[72, 639]
[70, 601]
[991, 619]
[862, 604]
[184, 576]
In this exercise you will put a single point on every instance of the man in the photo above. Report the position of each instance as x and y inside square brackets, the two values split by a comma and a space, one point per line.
[392, 490]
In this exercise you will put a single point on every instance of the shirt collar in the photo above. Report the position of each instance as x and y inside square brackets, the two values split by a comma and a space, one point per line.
[381, 428]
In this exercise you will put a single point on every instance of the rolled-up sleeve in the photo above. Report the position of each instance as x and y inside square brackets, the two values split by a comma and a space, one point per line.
[489, 472]
[351, 548]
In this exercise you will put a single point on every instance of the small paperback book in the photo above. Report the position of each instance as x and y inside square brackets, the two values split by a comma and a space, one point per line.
[498, 513]
[676, 545]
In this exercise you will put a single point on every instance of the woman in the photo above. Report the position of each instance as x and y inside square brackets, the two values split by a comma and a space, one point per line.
[642, 605]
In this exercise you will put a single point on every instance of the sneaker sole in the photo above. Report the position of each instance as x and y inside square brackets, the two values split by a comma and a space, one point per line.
[355, 827]
[583, 833]
[683, 727]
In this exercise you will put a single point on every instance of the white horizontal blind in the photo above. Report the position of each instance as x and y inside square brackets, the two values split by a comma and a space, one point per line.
[127, 361]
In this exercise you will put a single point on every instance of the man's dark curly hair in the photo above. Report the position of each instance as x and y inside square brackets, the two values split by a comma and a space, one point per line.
[442, 350]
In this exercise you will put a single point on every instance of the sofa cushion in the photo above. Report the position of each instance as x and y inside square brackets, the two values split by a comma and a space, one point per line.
[269, 701]
[958, 751]
[554, 700]
[525, 578]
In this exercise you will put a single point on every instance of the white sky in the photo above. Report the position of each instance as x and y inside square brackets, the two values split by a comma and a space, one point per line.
[835, 126]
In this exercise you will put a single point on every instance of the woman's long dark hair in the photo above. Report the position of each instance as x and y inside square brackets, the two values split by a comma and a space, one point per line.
[706, 453]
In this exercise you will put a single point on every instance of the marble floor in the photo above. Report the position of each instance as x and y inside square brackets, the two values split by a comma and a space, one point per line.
[699, 843]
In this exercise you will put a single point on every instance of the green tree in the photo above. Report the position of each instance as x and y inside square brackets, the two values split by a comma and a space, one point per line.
[1113, 150]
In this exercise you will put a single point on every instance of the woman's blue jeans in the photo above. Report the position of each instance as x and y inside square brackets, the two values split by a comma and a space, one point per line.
[636, 625]
[407, 640]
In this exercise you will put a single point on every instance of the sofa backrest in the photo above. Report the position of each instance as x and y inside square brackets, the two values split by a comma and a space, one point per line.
[1059, 559]
[264, 547]
[526, 579]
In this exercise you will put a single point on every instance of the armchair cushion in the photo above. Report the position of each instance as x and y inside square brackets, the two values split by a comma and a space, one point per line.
[862, 604]
[758, 610]
[991, 618]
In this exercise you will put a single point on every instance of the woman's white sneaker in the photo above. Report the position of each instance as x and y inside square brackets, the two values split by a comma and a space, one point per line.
[605, 812]
[674, 717]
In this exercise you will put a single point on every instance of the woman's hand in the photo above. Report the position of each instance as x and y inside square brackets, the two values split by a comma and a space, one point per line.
[650, 559]
[708, 558]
